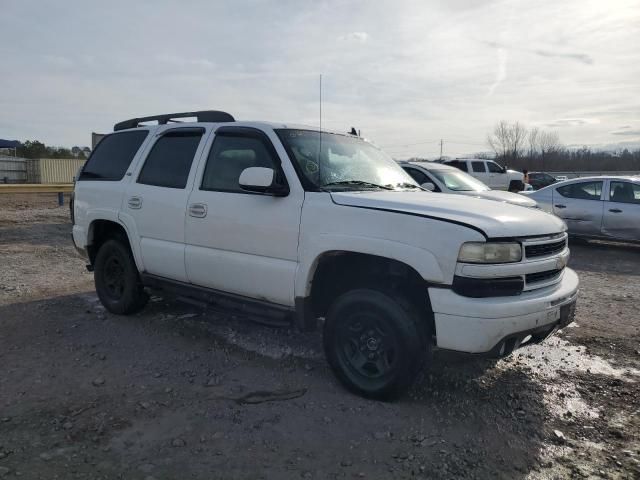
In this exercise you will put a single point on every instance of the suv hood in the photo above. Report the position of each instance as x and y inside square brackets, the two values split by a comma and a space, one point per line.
[493, 218]
[502, 196]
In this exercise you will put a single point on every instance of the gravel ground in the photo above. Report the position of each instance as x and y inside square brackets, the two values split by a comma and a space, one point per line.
[175, 392]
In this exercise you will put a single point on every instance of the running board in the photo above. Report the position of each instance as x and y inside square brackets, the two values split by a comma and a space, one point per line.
[265, 313]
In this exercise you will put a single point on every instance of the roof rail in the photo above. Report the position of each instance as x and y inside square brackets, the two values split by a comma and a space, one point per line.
[202, 116]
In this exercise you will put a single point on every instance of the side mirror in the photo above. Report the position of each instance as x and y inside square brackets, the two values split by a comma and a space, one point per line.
[428, 186]
[261, 180]
[504, 169]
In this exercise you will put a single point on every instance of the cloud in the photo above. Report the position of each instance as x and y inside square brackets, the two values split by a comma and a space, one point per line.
[450, 69]
[59, 61]
[185, 62]
[625, 131]
[581, 57]
[360, 37]
[571, 122]
[501, 71]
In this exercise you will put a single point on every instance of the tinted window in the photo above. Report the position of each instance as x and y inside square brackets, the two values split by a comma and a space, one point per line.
[417, 175]
[494, 167]
[229, 156]
[461, 165]
[169, 162]
[112, 156]
[624, 192]
[478, 167]
[583, 190]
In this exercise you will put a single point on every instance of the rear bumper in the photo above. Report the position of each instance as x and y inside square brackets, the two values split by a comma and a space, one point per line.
[492, 325]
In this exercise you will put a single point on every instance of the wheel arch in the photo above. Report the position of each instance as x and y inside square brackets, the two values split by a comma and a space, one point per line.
[100, 230]
[336, 271]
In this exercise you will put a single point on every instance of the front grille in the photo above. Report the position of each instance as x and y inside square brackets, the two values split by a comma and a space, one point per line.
[545, 276]
[545, 248]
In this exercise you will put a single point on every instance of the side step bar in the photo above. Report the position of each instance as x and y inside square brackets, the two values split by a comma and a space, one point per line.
[258, 311]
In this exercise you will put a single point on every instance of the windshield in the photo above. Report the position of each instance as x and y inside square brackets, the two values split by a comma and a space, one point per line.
[459, 181]
[343, 162]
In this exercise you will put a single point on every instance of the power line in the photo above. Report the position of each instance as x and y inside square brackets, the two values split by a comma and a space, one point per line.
[456, 142]
[409, 144]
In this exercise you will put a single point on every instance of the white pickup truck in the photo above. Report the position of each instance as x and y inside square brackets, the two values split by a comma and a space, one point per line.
[295, 225]
[490, 173]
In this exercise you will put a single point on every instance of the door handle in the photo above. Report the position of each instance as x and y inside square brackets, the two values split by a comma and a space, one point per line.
[135, 203]
[198, 210]
[560, 206]
[615, 210]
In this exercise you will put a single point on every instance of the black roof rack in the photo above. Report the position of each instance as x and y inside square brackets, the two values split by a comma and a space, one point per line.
[202, 116]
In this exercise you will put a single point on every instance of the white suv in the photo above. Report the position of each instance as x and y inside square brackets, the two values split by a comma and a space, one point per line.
[295, 225]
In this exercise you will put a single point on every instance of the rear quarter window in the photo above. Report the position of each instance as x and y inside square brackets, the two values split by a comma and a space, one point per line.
[461, 165]
[113, 155]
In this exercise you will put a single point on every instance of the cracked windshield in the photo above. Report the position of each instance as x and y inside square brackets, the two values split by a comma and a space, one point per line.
[340, 162]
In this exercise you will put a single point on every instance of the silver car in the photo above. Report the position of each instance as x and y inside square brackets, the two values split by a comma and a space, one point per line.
[437, 177]
[595, 207]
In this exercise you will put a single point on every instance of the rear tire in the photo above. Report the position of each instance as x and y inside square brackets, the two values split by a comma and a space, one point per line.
[117, 280]
[374, 343]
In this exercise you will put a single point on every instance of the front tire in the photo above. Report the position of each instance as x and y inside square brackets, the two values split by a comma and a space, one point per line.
[373, 343]
[117, 281]
[516, 186]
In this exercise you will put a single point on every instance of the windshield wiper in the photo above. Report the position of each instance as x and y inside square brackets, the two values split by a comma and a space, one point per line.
[359, 183]
[408, 185]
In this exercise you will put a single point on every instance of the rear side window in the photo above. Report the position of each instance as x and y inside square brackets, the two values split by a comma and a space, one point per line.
[582, 190]
[229, 156]
[478, 167]
[169, 162]
[112, 156]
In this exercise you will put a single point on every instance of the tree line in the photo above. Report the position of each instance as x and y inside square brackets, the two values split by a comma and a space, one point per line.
[534, 149]
[37, 149]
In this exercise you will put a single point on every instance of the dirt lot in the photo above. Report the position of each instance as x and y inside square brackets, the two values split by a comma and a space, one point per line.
[178, 393]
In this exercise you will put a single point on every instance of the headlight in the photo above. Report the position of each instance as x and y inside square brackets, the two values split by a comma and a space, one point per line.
[480, 252]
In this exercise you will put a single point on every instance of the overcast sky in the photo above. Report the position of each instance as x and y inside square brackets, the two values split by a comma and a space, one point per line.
[407, 73]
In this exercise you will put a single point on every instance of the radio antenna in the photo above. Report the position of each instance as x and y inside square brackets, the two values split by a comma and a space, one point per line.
[320, 143]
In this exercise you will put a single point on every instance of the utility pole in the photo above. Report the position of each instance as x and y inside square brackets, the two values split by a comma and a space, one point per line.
[440, 149]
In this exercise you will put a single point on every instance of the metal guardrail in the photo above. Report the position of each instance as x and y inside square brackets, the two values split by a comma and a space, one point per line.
[59, 188]
[575, 174]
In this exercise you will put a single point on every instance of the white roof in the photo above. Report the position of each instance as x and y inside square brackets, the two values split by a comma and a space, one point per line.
[432, 166]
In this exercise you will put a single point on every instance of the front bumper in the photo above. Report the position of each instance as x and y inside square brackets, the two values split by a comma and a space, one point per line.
[77, 234]
[483, 325]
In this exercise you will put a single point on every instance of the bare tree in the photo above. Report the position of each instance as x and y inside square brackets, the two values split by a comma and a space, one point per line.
[549, 143]
[508, 140]
[499, 140]
[534, 139]
[518, 139]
